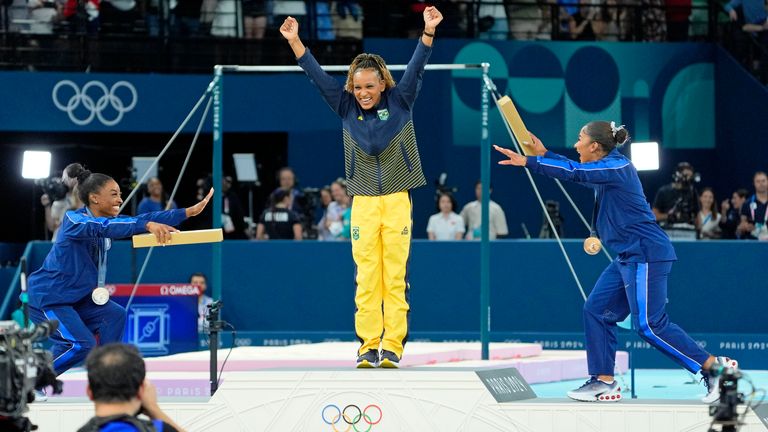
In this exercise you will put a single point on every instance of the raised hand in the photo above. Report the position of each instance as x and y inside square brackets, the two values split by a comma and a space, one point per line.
[432, 17]
[197, 208]
[290, 29]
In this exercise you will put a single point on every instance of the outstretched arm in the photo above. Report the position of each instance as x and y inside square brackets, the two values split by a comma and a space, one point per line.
[329, 88]
[290, 31]
[411, 83]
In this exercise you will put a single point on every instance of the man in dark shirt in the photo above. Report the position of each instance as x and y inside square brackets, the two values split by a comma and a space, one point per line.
[118, 387]
[278, 222]
[676, 202]
[754, 212]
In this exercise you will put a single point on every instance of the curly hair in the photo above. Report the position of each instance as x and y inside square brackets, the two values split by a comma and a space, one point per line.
[369, 61]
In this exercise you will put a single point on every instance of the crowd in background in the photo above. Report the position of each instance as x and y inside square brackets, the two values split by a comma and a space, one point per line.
[683, 208]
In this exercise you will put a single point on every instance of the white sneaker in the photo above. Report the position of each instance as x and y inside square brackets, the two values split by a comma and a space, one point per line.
[595, 390]
[713, 382]
[40, 395]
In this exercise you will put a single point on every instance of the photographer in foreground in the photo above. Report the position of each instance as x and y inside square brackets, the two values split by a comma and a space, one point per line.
[676, 204]
[59, 198]
[118, 387]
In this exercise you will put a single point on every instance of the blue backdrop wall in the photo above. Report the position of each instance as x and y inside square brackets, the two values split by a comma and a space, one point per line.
[278, 292]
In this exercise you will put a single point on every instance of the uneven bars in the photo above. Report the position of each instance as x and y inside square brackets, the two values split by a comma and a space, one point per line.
[340, 68]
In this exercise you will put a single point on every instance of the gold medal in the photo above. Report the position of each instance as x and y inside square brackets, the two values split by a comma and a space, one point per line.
[100, 296]
[592, 245]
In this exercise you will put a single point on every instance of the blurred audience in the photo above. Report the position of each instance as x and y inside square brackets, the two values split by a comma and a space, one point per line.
[471, 215]
[445, 224]
[754, 212]
[730, 214]
[279, 222]
[708, 219]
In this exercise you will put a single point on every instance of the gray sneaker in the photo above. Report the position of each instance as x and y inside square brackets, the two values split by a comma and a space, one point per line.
[713, 382]
[40, 395]
[595, 390]
[368, 360]
[389, 360]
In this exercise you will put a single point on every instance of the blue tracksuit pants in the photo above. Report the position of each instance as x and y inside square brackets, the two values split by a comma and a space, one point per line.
[639, 289]
[79, 326]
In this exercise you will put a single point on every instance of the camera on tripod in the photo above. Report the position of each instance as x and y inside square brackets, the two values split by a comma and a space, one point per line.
[724, 412]
[23, 368]
[54, 187]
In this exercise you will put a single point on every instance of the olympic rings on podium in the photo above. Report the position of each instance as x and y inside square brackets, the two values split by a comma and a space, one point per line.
[352, 421]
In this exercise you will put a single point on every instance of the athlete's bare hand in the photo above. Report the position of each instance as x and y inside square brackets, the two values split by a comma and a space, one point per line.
[515, 159]
[198, 208]
[161, 231]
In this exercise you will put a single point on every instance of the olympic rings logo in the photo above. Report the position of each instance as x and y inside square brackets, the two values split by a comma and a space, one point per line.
[352, 416]
[94, 106]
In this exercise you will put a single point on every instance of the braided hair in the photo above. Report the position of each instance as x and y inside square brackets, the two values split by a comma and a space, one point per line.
[369, 61]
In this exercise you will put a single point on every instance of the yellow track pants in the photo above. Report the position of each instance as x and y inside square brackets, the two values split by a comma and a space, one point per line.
[381, 244]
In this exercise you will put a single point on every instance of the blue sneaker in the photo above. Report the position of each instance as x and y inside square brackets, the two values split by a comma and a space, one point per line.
[368, 360]
[713, 382]
[595, 390]
[389, 360]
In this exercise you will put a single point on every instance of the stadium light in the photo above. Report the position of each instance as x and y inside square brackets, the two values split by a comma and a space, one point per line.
[645, 155]
[36, 164]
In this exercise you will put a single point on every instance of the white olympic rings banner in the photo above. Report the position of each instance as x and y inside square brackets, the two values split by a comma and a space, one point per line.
[94, 105]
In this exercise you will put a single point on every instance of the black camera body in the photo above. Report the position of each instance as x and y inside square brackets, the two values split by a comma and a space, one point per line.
[54, 187]
[23, 368]
[724, 412]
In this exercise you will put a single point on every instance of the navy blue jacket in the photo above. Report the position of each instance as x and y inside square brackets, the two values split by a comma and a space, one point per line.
[70, 271]
[625, 222]
[380, 151]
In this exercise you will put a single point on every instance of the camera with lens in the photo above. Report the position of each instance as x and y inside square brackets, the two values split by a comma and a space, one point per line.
[441, 188]
[685, 206]
[23, 368]
[724, 413]
[308, 201]
[54, 187]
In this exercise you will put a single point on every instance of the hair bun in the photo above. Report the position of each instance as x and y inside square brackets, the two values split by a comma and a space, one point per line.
[83, 175]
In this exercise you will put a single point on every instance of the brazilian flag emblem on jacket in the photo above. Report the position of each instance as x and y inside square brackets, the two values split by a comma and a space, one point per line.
[355, 233]
[383, 114]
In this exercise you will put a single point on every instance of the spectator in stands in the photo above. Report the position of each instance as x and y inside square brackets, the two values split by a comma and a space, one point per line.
[470, 214]
[186, 18]
[708, 218]
[524, 20]
[754, 212]
[492, 20]
[287, 179]
[445, 224]
[730, 214]
[279, 222]
[587, 23]
[120, 392]
[347, 21]
[233, 216]
[678, 14]
[334, 225]
[76, 23]
[254, 18]
[118, 16]
[754, 11]
[654, 22]
[45, 14]
[55, 210]
[676, 203]
[200, 281]
[156, 199]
